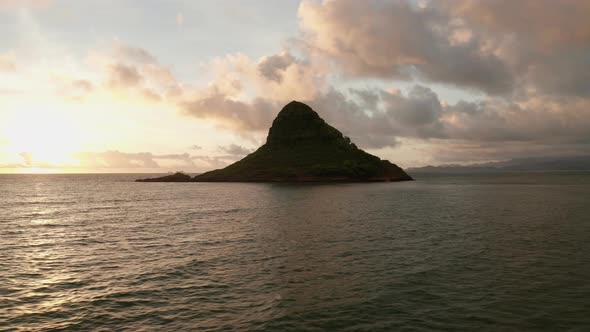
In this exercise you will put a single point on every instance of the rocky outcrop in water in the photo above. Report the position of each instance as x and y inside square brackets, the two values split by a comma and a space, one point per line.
[302, 147]
[176, 177]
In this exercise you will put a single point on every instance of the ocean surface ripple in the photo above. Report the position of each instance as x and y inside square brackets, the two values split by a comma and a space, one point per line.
[499, 252]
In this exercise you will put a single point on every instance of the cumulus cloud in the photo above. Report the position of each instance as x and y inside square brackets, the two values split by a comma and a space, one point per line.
[280, 77]
[548, 24]
[376, 118]
[397, 39]
[245, 94]
[421, 114]
[545, 50]
[271, 67]
[485, 45]
[133, 70]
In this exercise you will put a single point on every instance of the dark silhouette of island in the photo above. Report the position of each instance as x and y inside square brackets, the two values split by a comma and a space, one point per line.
[301, 147]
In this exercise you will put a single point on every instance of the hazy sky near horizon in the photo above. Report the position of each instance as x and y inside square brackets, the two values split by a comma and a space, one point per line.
[144, 86]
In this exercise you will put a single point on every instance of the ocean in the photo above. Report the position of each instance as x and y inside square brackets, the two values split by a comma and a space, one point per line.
[473, 252]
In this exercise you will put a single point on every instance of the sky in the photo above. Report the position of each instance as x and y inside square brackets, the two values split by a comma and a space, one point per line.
[168, 85]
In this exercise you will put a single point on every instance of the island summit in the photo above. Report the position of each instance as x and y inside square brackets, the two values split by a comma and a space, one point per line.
[301, 147]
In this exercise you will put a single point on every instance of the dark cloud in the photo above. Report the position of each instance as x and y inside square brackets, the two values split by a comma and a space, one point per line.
[387, 117]
[271, 67]
[419, 114]
[355, 121]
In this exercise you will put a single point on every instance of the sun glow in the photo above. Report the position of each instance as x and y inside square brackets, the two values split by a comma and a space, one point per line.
[43, 136]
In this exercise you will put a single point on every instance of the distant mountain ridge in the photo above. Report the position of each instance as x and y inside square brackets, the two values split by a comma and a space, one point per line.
[570, 163]
[301, 147]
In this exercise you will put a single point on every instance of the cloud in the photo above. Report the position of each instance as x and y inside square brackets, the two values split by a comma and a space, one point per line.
[281, 77]
[7, 63]
[529, 73]
[122, 160]
[74, 89]
[132, 70]
[215, 162]
[239, 115]
[272, 80]
[108, 160]
[535, 90]
[548, 25]
[114, 160]
[234, 149]
[486, 45]
[545, 50]
[272, 67]
[84, 85]
[124, 76]
[244, 95]
[396, 39]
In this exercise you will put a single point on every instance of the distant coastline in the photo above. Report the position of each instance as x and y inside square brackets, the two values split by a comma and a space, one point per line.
[530, 164]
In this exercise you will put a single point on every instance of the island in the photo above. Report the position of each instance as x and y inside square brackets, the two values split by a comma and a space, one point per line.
[301, 147]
